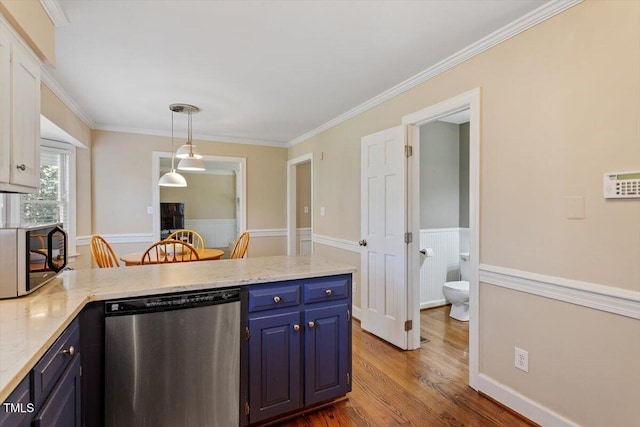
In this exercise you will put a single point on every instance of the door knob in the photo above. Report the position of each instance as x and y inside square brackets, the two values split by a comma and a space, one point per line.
[362, 242]
[312, 324]
[423, 251]
[21, 167]
[296, 327]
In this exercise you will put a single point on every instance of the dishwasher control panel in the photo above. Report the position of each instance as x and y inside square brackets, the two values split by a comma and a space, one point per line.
[170, 302]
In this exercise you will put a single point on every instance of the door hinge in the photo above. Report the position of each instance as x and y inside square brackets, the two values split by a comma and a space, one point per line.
[348, 315]
[408, 325]
[408, 237]
[348, 378]
[408, 150]
[247, 333]
[247, 408]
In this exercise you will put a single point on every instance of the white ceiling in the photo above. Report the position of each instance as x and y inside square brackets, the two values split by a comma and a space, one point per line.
[259, 70]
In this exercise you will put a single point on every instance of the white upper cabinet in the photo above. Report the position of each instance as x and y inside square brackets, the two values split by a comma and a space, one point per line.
[19, 115]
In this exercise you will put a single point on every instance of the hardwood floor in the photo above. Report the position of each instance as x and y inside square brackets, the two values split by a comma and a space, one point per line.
[426, 387]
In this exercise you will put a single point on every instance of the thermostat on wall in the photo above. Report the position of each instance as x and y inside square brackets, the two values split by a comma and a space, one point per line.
[621, 185]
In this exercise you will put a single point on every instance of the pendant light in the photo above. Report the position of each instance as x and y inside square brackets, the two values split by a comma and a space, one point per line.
[172, 178]
[192, 161]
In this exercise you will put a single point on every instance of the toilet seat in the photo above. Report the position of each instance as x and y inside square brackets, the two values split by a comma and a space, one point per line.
[460, 285]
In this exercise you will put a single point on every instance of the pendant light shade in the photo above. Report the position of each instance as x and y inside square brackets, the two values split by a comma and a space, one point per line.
[191, 164]
[172, 179]
[183, 152]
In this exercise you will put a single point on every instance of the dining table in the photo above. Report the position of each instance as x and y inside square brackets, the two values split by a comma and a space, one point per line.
[206, 254]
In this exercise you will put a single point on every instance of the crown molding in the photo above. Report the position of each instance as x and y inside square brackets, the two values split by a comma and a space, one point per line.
[55, 12]
[527, 21]
[196, 137]
[48, 79]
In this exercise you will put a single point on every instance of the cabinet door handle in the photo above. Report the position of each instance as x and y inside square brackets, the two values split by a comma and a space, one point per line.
[21, 167]
[296, 327]
[312, 324]
[276, 299]
[328, 292]
[71, 351]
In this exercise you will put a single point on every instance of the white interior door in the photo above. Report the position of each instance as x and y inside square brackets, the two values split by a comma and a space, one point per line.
[383, 256]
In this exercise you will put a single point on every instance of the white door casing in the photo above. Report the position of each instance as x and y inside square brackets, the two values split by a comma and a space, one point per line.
[468, 100]
[292, 241]
[383, 226]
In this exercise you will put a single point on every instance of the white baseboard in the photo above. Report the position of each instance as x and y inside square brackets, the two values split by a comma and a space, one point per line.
[356, 313]
[431, 304]
[522, 404]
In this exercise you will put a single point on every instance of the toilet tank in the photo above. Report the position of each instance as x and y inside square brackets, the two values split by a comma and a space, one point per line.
[464, 266]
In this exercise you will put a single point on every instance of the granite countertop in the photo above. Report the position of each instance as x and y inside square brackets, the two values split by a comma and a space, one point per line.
[29, 325]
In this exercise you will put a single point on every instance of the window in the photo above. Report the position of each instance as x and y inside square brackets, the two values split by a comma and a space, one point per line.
[51, 204]
[55, 202]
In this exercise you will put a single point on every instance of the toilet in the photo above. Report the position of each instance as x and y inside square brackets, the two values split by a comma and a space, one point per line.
[457, 293]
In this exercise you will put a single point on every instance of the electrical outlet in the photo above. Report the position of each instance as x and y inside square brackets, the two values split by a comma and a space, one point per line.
[522, 359]
[354, 287]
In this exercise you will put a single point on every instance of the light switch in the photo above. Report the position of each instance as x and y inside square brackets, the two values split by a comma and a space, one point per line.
[574, 207]
[149, 210]
[322, 211]
[306, 209]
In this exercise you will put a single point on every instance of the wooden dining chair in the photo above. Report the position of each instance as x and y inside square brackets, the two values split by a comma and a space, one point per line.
[240, 248]
[103, 252]
[169, 251]
[188, 236]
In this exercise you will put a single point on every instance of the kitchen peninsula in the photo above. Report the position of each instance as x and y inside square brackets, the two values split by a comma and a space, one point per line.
[282, 285]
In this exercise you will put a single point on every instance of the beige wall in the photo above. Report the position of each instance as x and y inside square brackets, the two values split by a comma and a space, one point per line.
[560, 106]
[207, 196]
[303, 195]
[31, 21]
[121, 185]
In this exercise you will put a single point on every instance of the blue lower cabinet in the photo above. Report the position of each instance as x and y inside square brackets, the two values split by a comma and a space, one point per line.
[298, 350]
[275, 365]
[327, 353]
[49, 396]
[18, 409]
[62, 408]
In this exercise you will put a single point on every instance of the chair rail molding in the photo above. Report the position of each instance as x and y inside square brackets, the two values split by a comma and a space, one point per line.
[606, 298]
[115, 239]
[335, 242]
[268, 232]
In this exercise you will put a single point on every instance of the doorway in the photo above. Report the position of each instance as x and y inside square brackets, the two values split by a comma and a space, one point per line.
[219, 223]
[469, 101]
[300, 205]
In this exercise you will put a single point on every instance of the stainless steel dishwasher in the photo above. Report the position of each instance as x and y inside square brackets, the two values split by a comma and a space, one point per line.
[173, 360]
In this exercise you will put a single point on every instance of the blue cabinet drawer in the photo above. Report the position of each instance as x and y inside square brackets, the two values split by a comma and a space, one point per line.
[327, 289]
[48, 370]
[271, 298]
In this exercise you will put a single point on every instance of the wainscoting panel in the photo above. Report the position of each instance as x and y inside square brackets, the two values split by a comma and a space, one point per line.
[217, 233]
[443, 266]
[303, 236]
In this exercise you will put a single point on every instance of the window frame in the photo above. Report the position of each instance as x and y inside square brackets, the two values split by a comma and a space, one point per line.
[13, 205]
